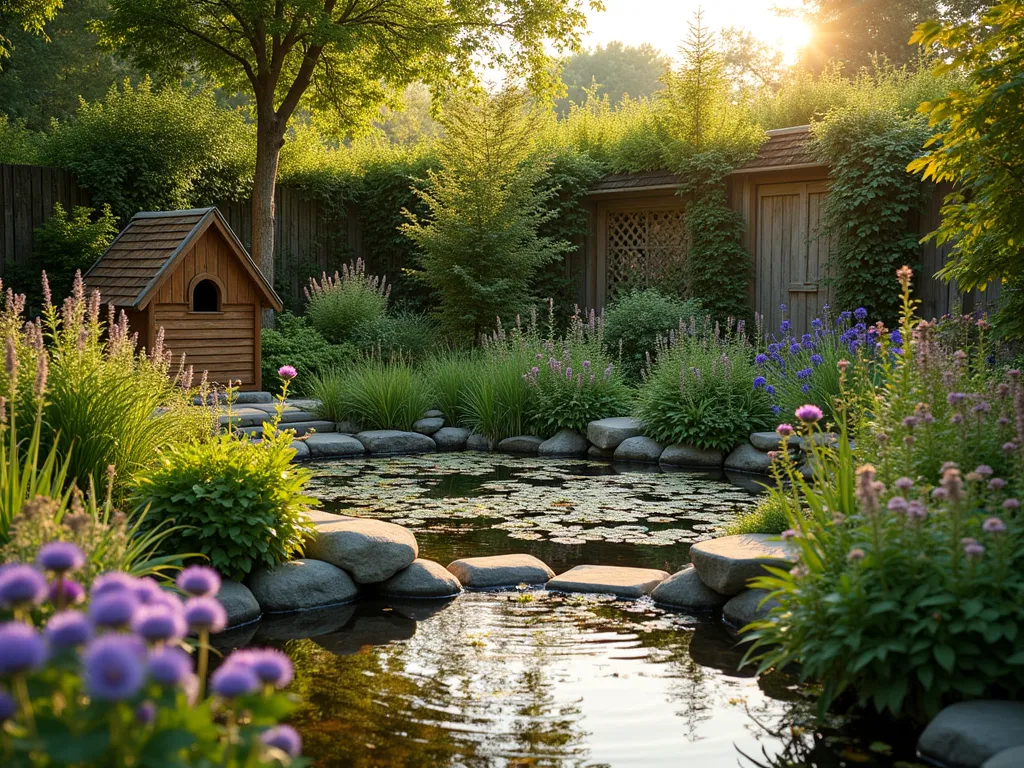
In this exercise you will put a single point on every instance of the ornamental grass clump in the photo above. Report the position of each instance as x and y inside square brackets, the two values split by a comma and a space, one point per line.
[374, 394]
[114, 682]
[340, 306]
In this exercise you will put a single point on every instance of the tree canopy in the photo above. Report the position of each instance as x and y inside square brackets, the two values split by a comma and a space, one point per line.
[614, 70]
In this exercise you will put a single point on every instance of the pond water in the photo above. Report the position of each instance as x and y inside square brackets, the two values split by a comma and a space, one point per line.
[531, 678]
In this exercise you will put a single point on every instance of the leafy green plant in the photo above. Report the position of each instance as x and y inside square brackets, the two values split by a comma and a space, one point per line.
[17, 143]
[500, 404]
[636, 320]
[769, 516]
[293, 342]
[451, 378]
[341, 306]
[409, 335]
[375, 395]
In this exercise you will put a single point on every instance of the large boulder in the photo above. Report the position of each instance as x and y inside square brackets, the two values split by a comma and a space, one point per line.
[1008, 758]
[747, 607]
[238, 602]
[967, 734]
[525, 445]
[299, 585]
[640, 448]
[371, 550]
[500, 571]
[609, 433]
[565, 443]
[331, 444]
[768, 441]
[726, 564]
[477, 442]
[428, 425]
[451, 438]
[747, 458]
[685, 590]
[321, 517]
[604, 579]
[392, 441]
[424, 578]
[684, 455]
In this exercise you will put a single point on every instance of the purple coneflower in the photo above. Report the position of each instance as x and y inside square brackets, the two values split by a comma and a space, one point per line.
[284, 738]
[21, 648]
[113, 667]
[67, 630]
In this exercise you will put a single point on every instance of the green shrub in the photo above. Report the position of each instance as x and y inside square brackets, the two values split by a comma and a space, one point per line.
[635, 321]
[769, 516]
[293, 342]
[18, 144]
[700, 391]
[340, 307]
[408, 335]
[374, 395]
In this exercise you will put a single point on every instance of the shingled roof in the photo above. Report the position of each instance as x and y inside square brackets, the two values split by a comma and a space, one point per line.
[785, 148]
[617, 182]
[148, 249]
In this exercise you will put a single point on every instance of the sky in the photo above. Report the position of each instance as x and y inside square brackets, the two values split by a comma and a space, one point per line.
[662, 23]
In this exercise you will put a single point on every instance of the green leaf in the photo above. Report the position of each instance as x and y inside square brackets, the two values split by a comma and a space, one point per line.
[946, 656]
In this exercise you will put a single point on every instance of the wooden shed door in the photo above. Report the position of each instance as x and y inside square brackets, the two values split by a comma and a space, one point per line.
[791, 253]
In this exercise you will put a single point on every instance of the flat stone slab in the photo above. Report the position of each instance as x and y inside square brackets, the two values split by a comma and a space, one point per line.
[967, 734]
[301, 450]
[726, 564]
[747, 458]
[500, 571]
[685, 590]
[608, 579]
[639, 448]
[239, 603]
[525, 445]
[451, 438]
[252, 398]
[478, 443]
[428, 425]
[609, 433]
[370, 550]
[747, 607]
[769, 441]
[565, 443]
[393, 441]
[334, 444]
[424, 578]
[1008, 758]
[302, 428]
[683, 455]
[299, 585]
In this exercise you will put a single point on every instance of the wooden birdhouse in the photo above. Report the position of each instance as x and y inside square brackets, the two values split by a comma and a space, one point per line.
[187, 272]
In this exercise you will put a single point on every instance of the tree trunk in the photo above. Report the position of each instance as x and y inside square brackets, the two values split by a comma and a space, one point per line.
[269, 141]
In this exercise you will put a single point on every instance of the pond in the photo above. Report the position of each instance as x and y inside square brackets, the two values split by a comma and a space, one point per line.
[532, 678]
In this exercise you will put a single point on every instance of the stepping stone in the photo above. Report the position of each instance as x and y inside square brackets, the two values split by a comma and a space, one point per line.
[428, 426]
[525, 445]
[238, 602]
[565, 443]
[333, 444]
[685, 590]
[242, 417]
[478, 443]
[370, 550]
[252, 398]
[392, 441]
[293, 415]
[500, 571]
[299, 585]
[424, 578]
[593, 452]
[683, 455]
[967, 734]
[726, 564]
[640, 448]
[303, 428]
[301, 450]
[451, 439]
[746, 607]
[1008, 758]
[604, 579]
[609, 433]
[303, 403]
[746, 458]
[769, 441]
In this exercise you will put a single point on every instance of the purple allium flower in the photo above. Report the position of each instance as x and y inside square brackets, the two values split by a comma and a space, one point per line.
[21, 585]
[904, 483]
[759, 382]
[8, 706]
[72, 592]
[67, 629]
[955, 397]
[21, 648]
[113, 609]
[972, 548]
[287, 372]
[283, 737]
[270, 665]
[996, 484]
[169, 667]
[148, 591]
[145, 713]
[984, 470]
[809, 413]
[159, 622]
[199, 581]
[939, 494]
[1011, 504]
[113, 667]
[232, 680]
[60, 557]
[112, 581]
[761, 359]
[916, 510]
[856, 554]
[897, 504]
[860, 313]
[993, 525]
[1009, 447]
[956, 418]
[205, 613]
[785, 430]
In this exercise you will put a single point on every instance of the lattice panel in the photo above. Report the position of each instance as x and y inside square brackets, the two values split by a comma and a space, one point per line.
[644, 248]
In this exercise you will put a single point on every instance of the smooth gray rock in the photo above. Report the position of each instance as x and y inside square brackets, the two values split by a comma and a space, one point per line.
[320, 517]
[238, 602]
[251, 398]
[747, 607]
[604, 579]
[433, 413]
[299, 585]
[525, 445]
[302, 428]
[370, 550]
[301, 450]
[292, 415]
[334, 444]
[500, 571]
[609, 433]
[428, 426]
[640, 448]
[967, 734]
[683, 455]
[424, 578]
[769, 441]
[392, 441]
[593, 452]
[726, 564]
[564, 443]
[478, 443]
[1008, 758]
[685, 590]
[451, 439]
[746, 458]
